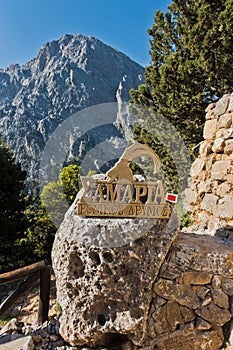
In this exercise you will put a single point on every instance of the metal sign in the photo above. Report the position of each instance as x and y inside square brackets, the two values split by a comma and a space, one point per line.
[119, 194]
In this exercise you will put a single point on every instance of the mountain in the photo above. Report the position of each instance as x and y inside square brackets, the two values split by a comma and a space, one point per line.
[67, 76]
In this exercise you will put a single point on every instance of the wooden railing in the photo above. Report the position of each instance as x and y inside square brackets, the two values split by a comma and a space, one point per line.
[30, 274]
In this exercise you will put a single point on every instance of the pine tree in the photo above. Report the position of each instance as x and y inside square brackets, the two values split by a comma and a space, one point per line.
[191, 66]
[191, 63]
[13, 203]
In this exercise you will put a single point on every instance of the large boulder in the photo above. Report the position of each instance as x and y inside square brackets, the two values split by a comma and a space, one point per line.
[105, 270]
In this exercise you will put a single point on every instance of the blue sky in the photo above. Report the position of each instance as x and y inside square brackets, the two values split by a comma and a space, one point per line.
[25, 25]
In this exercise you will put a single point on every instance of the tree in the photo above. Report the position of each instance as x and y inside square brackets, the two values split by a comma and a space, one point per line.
[13, 203]
[46, 216]
[58, 195]
[26, 229]
[191, 63]
[69, 178]
[54, 201]
[40, 233]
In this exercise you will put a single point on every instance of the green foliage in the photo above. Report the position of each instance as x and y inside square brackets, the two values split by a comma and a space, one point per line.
[167, 163]
[186, 220]
[57, 196]
[183, 216]
[91, 172]
[40, 234]
[54, 201]
[46, 216]
[191, 65]
[13, 203]
[136, 169]
[26, 229]
[58, 309]
[5, 319]
[69, 178]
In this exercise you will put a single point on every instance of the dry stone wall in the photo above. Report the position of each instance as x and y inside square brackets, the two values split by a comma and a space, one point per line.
[193, 296]
[210, 194]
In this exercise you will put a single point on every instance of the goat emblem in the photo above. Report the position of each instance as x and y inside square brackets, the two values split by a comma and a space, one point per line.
[121, 170]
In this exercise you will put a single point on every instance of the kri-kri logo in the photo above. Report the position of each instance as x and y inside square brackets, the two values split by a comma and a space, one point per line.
[119, 193]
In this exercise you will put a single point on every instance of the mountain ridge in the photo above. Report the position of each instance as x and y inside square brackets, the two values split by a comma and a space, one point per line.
[68, 75]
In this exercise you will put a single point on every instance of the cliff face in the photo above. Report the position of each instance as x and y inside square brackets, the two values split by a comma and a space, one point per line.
[68, 75]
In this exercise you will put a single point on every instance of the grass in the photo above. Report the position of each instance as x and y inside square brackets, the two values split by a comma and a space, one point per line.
[184, 216]
[6, 318]
[58, 309]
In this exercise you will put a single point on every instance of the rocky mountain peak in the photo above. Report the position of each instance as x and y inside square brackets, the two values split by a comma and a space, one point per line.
[68, 75]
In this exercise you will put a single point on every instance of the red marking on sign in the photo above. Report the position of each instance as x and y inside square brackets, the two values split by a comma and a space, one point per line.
[171, 197]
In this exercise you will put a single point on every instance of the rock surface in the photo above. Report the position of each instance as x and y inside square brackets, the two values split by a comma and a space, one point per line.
[210, 195]
[23, 343]
[16, 335]
[67, 75]
[105, 269]
[127, 297]
[191, 305]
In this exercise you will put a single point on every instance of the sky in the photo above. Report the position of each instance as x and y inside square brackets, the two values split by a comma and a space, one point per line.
[25, 25]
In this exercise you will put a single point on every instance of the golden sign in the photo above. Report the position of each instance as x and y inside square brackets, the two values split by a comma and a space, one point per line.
[120, 195]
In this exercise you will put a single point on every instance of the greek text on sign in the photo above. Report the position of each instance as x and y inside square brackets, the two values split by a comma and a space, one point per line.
[119, 194]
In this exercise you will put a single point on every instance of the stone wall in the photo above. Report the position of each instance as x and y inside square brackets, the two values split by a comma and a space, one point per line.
[210, 194]
[193, 296]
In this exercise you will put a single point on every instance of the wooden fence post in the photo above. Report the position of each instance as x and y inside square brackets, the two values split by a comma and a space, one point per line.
[19, 291]
[45, 277]
[33, 273]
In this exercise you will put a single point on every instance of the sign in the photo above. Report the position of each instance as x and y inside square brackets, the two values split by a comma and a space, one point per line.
[119, 194]
[171, 197]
